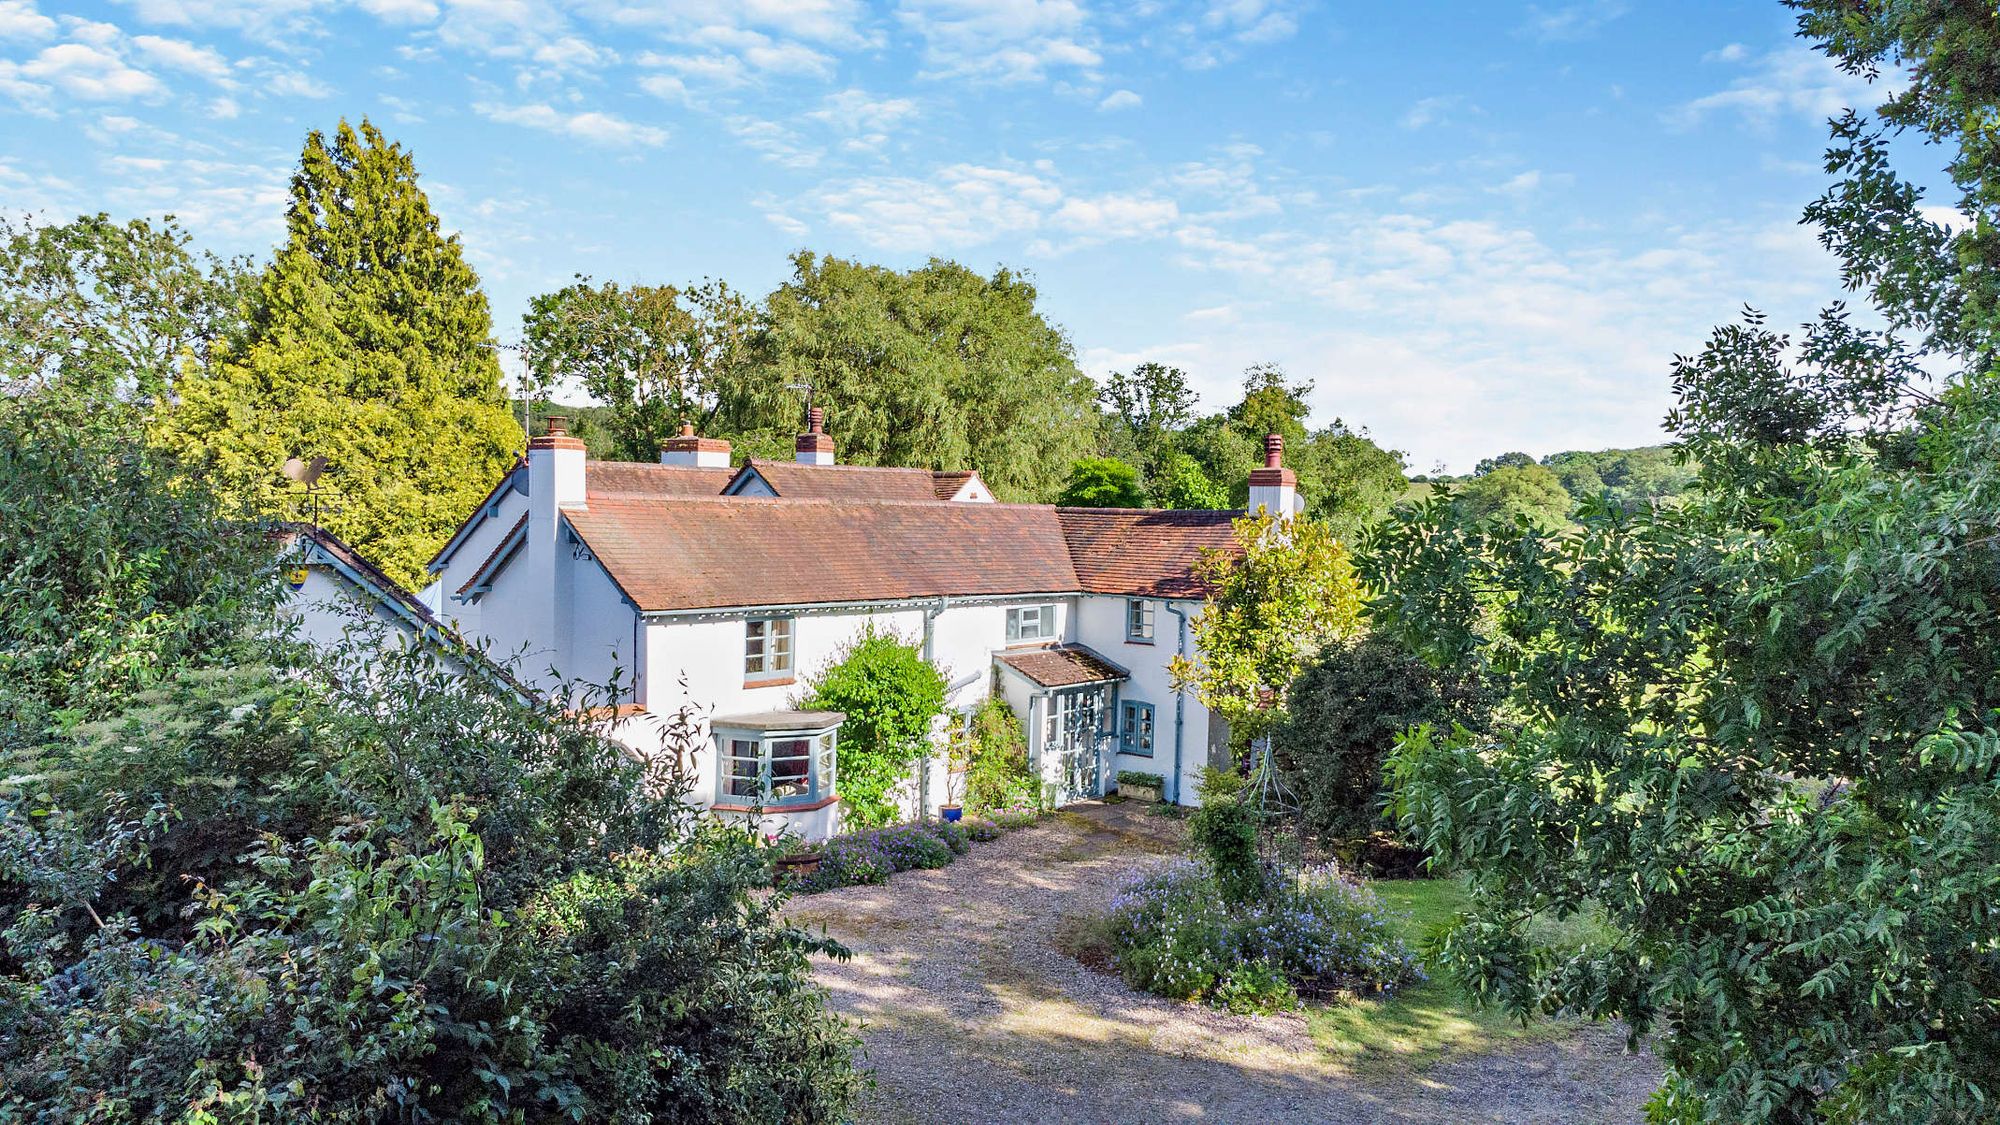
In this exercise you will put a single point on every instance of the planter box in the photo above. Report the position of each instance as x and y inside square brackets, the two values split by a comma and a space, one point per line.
[1132, 792]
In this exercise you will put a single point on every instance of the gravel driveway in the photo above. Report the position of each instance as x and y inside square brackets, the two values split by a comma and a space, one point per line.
[970, 1012]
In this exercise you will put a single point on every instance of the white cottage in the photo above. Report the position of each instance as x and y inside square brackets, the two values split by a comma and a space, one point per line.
[692, 583]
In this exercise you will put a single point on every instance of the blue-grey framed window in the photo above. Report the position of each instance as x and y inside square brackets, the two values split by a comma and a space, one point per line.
[1139, 620]
[775, 768]
[1135, 728]
[1031, 623]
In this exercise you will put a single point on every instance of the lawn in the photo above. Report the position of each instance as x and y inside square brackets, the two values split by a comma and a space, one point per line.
[1418, 1026]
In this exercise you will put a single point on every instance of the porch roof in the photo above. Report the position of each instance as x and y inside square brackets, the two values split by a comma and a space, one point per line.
[1063, 666]
[780, 720]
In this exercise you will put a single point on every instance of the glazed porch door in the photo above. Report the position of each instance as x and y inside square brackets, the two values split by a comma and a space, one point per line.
[1074, 735]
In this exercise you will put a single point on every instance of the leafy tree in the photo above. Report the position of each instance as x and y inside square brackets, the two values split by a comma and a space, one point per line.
[1348, 481]
[653, 355]
[1628, 477]
[892, 697]
[935, 367]
[1180, 483]
[1515, 492]
[111, 310]
[1102, 482]
[1341, 720]
[1272, 404]
[1148, 406]
[1288, 590]
[1504, 461]
[365, 345]
[1760, 727]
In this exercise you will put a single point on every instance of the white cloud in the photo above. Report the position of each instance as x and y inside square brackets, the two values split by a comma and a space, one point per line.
[1120, 99]
[857, 111]
[81, 70]
[401, 11]
[1734, 52]
[1001, 40]
[774, 142]
[19, 19]
[1117, 216]
[596, 128]
[1790, 81]
[298, 84]
[962, 205]
[182, 55]
[1439, 110]
[1572, 21]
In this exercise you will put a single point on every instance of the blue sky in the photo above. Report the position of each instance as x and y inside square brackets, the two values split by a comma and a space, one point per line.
[1475, 226]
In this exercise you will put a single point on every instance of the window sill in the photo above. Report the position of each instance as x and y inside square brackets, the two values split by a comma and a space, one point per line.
[807, 806]
[774, 681]
[1138, 640]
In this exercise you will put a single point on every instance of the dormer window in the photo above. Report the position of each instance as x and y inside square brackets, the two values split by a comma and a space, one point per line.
[1139, 621]
[1031, 623]
[767, 650]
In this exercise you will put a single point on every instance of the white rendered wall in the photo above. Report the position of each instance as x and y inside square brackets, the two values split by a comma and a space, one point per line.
[1101, 626]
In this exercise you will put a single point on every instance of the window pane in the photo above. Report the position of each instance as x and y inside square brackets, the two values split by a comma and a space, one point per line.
[827, 761]
[781, 644]
[753, 647]
[789, 761]
[744, 770]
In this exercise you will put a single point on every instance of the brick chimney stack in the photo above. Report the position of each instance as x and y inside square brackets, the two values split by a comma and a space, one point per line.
[815, 447]
[696, 452]
[1274, 488]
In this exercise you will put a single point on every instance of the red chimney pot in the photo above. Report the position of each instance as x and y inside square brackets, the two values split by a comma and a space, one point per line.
[815, 421]
[1274, 450]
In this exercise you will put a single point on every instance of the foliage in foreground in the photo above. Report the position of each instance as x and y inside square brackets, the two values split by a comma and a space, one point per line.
[1759, 728]
[892, 698]
[239, 882]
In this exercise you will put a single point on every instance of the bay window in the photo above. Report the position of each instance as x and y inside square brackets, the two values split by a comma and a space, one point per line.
[777, 759]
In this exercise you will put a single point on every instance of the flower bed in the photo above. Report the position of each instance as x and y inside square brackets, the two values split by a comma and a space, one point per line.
[871, 856]
[1315, 932]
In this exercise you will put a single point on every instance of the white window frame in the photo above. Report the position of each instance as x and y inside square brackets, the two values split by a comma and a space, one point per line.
[1044, 618]
[769, 649]
[761, 750]
[1139, 616]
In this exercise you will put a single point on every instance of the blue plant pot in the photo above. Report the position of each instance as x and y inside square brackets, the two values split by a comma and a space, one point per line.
[952, 813]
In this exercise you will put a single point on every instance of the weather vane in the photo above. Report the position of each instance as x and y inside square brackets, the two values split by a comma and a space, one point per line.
[308, 473]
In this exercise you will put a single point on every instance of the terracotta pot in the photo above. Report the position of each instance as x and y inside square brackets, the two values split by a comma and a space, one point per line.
[798, 865]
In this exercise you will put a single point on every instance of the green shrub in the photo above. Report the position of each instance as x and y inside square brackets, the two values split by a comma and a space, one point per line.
[891, 696]
[1342, 717]
[1174, 933]
[995, 753]
[1149, 780]
[1224, 829]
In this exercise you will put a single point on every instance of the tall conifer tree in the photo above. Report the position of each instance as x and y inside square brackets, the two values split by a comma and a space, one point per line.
[363, 347]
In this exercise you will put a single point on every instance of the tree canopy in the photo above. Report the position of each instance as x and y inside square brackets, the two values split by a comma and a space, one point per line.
[1758, 727]
[112, 310]
[368, 344]
[1102, 482]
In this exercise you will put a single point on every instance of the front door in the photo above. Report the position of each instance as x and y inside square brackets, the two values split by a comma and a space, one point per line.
[1075, 736]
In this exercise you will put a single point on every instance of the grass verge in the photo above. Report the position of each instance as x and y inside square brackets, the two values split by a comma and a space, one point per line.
[1418, 1026]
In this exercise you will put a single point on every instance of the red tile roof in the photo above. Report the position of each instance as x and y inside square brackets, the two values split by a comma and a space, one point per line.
[1063, 666]
[671, 554]
[948, 484]
[643, 478]
[1141, 552]
[795, 481]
